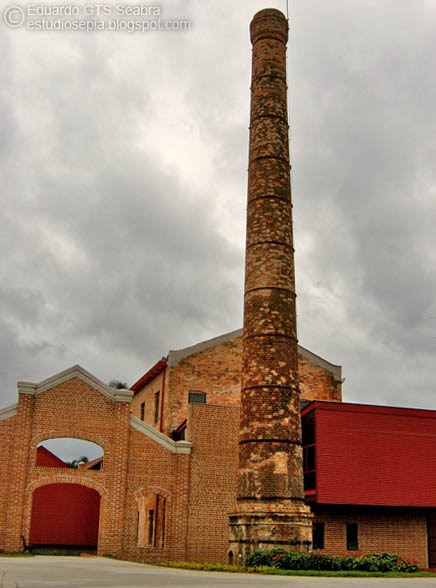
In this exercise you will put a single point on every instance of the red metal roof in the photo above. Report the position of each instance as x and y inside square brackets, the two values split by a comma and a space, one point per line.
[374, 455]
[150, 375]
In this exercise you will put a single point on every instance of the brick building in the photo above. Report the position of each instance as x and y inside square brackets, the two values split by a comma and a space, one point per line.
[168, 477]
[207, 456]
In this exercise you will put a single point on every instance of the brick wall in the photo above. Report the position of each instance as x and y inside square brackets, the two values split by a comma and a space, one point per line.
[216, 370]
[317, 383]
[399, 531]
[153, 470]
[72, 408]
[214, 463]
[147, 395]
[6, 436]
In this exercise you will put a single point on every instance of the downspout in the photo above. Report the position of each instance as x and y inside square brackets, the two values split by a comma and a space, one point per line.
[162, 400]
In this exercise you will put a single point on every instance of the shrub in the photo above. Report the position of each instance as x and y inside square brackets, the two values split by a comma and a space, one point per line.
[298, 560]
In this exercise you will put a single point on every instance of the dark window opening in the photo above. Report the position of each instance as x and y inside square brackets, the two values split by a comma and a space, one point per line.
[318, 536]
[179, 434]
[352, 537]
[156, 407]
[196, 397]
[142, 411]
[309, 467]
[150, 531]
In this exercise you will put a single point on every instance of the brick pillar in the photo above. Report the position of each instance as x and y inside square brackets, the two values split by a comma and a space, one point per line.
[112, 517]
[271, 510]
[19, 469]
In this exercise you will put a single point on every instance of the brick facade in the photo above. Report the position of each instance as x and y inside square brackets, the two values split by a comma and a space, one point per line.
[214, 367]
[170, 474]
[189, 485]
[393, 530]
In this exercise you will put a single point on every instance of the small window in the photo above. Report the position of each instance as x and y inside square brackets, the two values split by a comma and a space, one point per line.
[318, 536]
[179, 434]
[142, 410]
[156, 407]
[352, 537]
[150, 532]
[197, 397]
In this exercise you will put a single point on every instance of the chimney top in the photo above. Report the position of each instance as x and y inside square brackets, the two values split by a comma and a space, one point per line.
[269, 23]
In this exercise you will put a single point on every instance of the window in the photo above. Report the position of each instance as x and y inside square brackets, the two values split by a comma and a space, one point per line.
[196, 397]
[318, 536]
[352, 537]
[150, 529]
[142, 411]
[69, 452]
[179, 434]
[309, 467]
[156, 407]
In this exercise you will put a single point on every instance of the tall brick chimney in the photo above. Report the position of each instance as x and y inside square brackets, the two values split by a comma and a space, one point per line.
[271, 511]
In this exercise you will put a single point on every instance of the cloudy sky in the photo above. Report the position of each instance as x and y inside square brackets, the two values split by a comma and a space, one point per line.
[123, 187]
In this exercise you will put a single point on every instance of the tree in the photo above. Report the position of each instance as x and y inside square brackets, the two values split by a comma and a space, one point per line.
[118, 385]
[75, 463]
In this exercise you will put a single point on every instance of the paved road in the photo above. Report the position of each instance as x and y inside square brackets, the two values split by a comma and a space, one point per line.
[76, 572]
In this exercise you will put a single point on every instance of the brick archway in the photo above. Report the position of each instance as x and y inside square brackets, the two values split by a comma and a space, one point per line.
[65, 514]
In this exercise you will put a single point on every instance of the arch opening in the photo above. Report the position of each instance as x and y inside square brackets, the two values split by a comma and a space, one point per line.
[69, 452]
[65, 515]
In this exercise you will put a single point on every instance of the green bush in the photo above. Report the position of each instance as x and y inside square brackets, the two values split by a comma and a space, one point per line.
[298, 560]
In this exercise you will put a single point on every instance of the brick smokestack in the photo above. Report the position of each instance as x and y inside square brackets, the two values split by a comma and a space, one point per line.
[271, 510]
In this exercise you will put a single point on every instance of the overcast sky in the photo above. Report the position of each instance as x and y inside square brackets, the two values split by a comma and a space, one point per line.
[123, 191]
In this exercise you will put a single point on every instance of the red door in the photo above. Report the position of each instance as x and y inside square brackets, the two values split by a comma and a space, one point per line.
[65, 514]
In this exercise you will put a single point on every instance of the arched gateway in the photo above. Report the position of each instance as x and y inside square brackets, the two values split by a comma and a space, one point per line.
[65, 515]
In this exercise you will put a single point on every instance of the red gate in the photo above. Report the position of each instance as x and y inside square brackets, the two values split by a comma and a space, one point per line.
[65, 514]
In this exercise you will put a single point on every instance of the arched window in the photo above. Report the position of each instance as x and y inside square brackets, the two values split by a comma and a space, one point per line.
[151, 520]
[69, 452]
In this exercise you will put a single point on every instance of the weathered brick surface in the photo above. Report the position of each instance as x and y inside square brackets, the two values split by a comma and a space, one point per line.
[270, 455]
[216, 370]
[399, 531]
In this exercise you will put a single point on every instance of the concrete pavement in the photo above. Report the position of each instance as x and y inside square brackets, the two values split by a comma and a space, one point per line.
[80, 572]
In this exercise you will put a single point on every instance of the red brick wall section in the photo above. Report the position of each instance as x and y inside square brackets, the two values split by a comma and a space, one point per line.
[155, 470]
[317, 383]
[395, 531]
[147, 395]
[70, 409]
[6, 443]
[65, 514]
[18, 474]
[217, 371]
[212, 490]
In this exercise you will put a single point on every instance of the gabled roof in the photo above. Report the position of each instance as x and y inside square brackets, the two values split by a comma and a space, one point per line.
[76, 371]
[45, 457]
[154, 371]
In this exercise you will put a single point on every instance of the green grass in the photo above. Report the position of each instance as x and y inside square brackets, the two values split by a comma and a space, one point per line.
[217, 567]
[26, 554]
